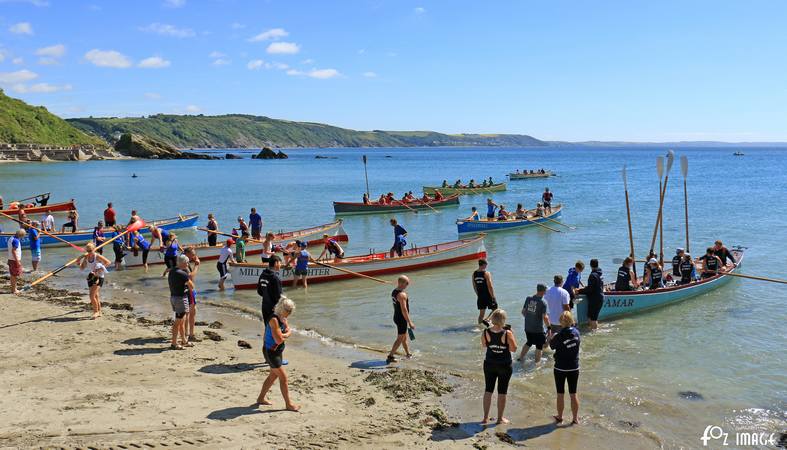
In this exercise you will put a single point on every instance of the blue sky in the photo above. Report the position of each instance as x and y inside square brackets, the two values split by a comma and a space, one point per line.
[562, 70]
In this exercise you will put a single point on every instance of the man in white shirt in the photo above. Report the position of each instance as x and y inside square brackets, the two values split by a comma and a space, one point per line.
[48, 222]
[558, 301]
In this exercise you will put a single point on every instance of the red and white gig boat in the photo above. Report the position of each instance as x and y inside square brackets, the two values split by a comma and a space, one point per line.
[245, 276]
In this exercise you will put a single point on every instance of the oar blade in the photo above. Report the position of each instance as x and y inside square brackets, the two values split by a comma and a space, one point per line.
[684, 165]
[660, 166]
[625, 179]
[670, 160]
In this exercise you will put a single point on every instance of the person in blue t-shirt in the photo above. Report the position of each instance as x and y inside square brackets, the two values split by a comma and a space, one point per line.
[255, 222]
[574, 280]
[302, 265]
[399, 239]
[171, 253]
[35, 244]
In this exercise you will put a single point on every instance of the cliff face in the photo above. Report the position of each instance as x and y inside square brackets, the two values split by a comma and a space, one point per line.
[138, 146]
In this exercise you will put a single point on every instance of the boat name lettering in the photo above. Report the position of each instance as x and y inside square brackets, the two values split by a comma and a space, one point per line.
[619, 303]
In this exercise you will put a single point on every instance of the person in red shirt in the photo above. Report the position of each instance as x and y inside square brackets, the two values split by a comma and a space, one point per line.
[109, 216]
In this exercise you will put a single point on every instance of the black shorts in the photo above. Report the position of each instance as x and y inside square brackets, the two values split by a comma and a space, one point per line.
[94, 281]
[222, 268]
[547, 204]
[490, 216]
[266, 259]
[594, 308]
[118, 255]
[273, 357]
[145, 255]
[70, 225]
[398, 248]
[486, 303]
[109, 224]
[537, 339]
[256, 233]
[499, 374]
[171, 261]
[300, 272]
[212, 239]
[560, 381]
[401, 324]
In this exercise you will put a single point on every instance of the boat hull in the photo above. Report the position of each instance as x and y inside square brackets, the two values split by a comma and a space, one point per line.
[618, 304]
[54, 207]
[205, 252]
[85, 236]
[528, 176]
[245, 276]
[346, 208]
[499, 187]
[484, 226]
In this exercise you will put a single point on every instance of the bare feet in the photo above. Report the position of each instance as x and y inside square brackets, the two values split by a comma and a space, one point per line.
[575, 421]
[96, 315]
[263, 401]
[503, 420]
[293, 407]
[485, 421]
[558, 419]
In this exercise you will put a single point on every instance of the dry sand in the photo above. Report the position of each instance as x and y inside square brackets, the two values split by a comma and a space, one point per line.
[67, 381]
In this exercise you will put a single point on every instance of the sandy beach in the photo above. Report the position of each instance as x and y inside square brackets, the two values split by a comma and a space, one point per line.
[77, 383]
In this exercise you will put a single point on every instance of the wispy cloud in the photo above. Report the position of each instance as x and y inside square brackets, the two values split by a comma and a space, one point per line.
[40, 88]
[154, 62]
[221, 62]
[370, 74]
[272, 34]
[216, 54]
[164, 29]
[320, 74]
[283, 48]
[21, 28]
[237, 26]
[48, 61]
[152, 96]
[193, 109]
[18, 60]
[19, 76]
[255, 64]
[419, 10]
[307, 61]
[174, 3]
[108, 58]
[53, 51]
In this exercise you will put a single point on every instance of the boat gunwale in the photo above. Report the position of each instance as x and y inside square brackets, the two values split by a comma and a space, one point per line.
[555, 211]
[419, 203]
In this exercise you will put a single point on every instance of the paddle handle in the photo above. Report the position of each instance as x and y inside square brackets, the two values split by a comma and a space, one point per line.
[42, 231]
[349, 272]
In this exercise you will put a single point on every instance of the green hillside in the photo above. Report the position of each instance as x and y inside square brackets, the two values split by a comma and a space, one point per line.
[23, 123]
[238, 130]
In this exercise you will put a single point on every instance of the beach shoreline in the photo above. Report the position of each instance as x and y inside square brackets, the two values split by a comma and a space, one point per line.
[77, 382]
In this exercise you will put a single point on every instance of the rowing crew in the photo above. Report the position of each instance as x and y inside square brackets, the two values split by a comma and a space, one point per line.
[390, 200]
[470, 185]
[684, 269]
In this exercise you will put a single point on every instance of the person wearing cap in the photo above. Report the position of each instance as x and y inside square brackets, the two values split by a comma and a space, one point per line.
[654, 278]
[226, 256]
[302, 265]
[687, 269]
[331, 248]
[536, 313]
[594, 292]
[676, 260]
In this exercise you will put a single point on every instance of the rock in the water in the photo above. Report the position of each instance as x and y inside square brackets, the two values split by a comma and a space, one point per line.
[691, 395]
[281, 155]
[232, 156]
[138, 146]
[267, 153]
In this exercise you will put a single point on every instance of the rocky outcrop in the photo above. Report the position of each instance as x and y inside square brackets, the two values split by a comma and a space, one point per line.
[232, 156]
[138, 146]
[267, 153]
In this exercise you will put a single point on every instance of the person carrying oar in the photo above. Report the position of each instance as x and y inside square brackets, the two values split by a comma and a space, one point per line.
[97, 269]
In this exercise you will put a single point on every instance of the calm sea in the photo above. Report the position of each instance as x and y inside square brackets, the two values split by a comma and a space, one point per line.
[728, 345]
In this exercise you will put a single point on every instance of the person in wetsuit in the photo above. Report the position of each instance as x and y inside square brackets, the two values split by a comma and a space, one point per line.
[401, 318]
[721, 251]
[499, 342]
[484, 291]
[594, 291]
[269, 287]
[277, 331]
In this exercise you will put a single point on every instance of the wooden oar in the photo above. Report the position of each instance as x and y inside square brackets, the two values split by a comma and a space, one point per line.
[670, 160]
[349, 271]
[228, 235]
[403, 204]
[427, 205]
[33, 197]
[133, 227]
[561, 223]
[542, 225]
[42, 231]
[684, 168]
[752, 277]
[628, 215]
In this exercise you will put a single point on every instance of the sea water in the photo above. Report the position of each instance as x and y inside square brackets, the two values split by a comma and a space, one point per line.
[727, 346]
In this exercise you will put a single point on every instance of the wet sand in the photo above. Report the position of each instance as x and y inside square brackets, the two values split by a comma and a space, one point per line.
[73, 382]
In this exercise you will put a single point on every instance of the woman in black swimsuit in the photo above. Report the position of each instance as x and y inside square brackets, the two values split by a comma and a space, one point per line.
[499, 342]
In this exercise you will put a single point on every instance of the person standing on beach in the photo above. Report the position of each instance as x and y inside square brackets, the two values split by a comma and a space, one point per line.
[15, 266]
[35, 244]
[566, 346]
[399, 239]
[49, 222]
[401, 318]
[484, 291]
[226, 256]
[255, 221]
[213, 226]
[558, 301]
[97, 266]
[269, 287]
[536, 312]
[110, 217]
[499, 342]
[594, 292]
[277, 331]
[180, 285]
[192, 268]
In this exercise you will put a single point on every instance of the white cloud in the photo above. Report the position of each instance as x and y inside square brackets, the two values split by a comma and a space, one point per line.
[21, 28]
[193, 109]
[152, 95]
[154, 62]
[237, 26]
[20, 76]
[174, 3]
[369, 74]
[48, 61]
[272, 34]
[53, 51]
[420, 10]
[294, 72]
[2, 55]
[17, 60]
[40, 88]
[221, 62]
[307, 61]
[108, 58]
[283, 48]
[255, 64]
[164, 29]
[324, 74]
[215, 54]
